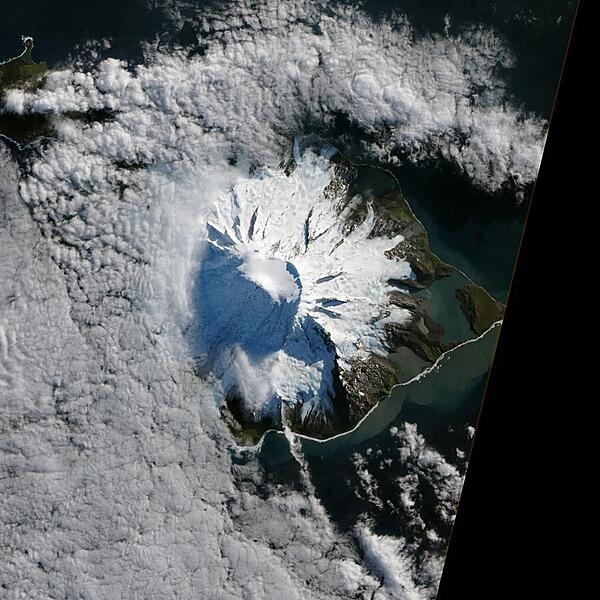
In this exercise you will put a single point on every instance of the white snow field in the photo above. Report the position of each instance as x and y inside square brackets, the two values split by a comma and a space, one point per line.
[286, 288]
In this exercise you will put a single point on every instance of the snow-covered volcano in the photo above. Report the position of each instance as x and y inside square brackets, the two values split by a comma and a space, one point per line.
[293, 287]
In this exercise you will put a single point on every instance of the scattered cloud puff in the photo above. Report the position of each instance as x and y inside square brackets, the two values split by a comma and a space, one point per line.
[368, 484]
[394, 561]
[267, 72]
[425, 464]
[419, 471]
[408, 564]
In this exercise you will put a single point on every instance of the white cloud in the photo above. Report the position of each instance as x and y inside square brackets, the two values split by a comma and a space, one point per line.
[393, 560]
[430, 466]
[266, 70]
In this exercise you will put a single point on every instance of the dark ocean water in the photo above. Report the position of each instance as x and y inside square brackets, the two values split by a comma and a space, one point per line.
[467, 227]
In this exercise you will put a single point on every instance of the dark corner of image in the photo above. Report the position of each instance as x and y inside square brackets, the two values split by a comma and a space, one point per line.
[506, 538]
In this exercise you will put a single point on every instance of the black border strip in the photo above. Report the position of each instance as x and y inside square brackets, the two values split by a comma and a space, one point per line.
[505, 538]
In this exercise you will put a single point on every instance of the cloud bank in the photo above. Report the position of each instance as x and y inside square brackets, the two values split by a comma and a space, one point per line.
[266, 72]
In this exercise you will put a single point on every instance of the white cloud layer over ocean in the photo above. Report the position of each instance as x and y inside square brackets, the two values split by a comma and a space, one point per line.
[266, 71]
[117, 473]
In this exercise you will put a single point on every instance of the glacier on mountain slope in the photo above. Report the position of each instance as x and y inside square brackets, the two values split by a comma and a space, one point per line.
[288, 290]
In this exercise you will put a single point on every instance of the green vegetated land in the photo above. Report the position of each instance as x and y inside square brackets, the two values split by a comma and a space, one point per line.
[21, 72]
[479, 307]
